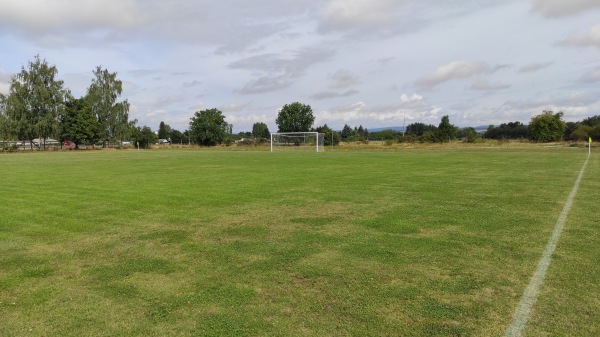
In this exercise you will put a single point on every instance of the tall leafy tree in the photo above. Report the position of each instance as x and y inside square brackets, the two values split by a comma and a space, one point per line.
[347, 132]
[418, 129]
[35, 101]
[164, 131]
[260, 130]
[595, 132]
[143, 136]
[445, 130]
[469, 134]
[177, 137]
[547, 127]
[570, 127]
[122, 129]
[295, 117]
[592, 121]
[111, 114]
[581, 132]
[512, 130]
[362, 133]
[208, 127]
[79, 124]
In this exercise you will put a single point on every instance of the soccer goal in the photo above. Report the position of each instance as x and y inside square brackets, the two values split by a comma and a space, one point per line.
[297, 141]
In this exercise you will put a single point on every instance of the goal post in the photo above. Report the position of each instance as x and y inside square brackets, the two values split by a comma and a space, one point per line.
[297, 141]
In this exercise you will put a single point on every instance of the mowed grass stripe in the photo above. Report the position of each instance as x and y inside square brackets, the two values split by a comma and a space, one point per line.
[569, 301]
[530, 294]
[254, 243]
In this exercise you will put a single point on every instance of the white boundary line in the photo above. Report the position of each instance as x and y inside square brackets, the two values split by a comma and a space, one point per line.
[517, 326]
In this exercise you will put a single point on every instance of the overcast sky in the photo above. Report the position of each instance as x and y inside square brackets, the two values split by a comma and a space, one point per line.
[359, 62]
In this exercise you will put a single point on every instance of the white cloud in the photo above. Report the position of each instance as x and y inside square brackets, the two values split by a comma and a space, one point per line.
[589, 38]
[413, 108]
[369, 18]
[5, 80]
[333, 94]
[591, 77]
[484, 85]
[278, 71]
[266, 84]
[328, 53]
[41, 15]
[4, 88]
[4, 76]
[344, 12]
[234, 107]
[343, 79]
[576, 105]
[193, 83]
[249, 120]
[558, 8]
[533, 67]
[140, 73]
[451, 71]
[404, 98]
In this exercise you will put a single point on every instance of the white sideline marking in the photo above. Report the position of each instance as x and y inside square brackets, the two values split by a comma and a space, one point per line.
[530, 294]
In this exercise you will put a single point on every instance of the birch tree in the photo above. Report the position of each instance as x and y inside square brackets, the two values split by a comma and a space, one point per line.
[35, 101]
[102, 96]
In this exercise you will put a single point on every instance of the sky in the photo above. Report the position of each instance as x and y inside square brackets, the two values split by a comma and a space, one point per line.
[375, 63]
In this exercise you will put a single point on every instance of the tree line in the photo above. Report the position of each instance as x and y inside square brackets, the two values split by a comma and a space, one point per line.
[545, 127]
[38, 107]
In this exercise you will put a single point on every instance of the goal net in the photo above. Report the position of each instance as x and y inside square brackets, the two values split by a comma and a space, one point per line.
[297, 141]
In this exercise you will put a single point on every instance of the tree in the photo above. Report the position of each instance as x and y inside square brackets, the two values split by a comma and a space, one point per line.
[581, 132]
[445, 130]
[592, 121]
[79, 124]
[547, 127]
[388, 134]
[595, 133]
[177, 137]
[102, 97]
[418, 129]
[143, 136]
[35, 101]
[429, 136]
[362, 133]
[260, 131]
[569, 129]
[469, 134]
[329, 135]
[208, 127]
[295, 117]
[512, 130]
[164, 131]
[187, 137]
[346, 132]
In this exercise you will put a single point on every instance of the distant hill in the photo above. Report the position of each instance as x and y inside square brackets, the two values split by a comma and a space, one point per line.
[395, 128]
[479, 128]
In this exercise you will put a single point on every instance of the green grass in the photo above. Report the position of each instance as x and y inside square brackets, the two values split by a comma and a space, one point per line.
[438, 242]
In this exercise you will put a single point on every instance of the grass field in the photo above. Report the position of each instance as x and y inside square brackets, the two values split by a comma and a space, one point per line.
[435, 242]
